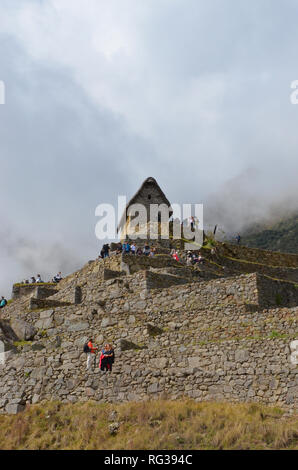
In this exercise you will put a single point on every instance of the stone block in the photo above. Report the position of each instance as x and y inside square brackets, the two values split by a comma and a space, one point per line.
[80, 326]
[25, 331]
[13, 409]
[46, 314]
[153, 388]
[241, 355]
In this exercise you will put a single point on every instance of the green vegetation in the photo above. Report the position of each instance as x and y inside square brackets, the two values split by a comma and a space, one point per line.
[276, 334]
[158, 424]
[209, 241]
[20, 344]
[21, 284]
[279, 236]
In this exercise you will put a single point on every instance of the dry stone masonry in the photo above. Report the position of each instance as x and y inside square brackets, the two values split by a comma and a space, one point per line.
[213, 332]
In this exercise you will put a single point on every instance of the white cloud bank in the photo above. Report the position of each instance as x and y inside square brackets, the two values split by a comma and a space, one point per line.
[100, 95]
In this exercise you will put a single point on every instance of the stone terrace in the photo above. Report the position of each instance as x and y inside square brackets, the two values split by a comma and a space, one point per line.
[177, 330]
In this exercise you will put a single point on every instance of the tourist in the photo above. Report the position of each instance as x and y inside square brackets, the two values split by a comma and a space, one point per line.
[238, 238]
[106, 358]
[133, 249]
[152, 251]
[111, 357]
[213, 251]
[175, 255]
[189, 259]
[201, 259]
[127, 248]
[3, 302]
[106, 250]
[139, 251]
[38, 279]
[33, 280]
[58, 277]
[91, 350]
[195, 259]
[146, 250]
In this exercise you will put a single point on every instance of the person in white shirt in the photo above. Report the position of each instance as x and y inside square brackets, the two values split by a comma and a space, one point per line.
[58, 277]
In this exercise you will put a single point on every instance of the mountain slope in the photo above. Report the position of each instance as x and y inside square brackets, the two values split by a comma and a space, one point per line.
[278, 236]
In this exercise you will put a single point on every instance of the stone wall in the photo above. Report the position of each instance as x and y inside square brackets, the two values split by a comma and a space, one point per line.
[40, 290]
[270, 258]
[157, 280]
[273, 292]
[214, 341]
[277, 272]
[175, 333]
[133, 263]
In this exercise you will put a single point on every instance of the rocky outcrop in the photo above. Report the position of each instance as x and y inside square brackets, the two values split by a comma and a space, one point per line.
[25, 331]
[7, 335]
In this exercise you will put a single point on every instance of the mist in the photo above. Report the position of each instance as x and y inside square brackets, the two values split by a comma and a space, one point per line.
[99, 96]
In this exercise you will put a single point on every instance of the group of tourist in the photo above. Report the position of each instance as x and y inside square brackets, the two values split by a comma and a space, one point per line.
[147, 250]
[106, 356]
[192, 258]
[128, 248]
[33, 280]
[131, 248]
[38, 280]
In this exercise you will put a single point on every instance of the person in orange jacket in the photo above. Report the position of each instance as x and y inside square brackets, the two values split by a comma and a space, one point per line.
[92, 350]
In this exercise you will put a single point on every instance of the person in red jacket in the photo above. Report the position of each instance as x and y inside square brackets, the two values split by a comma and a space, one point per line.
[92, 350]
[106, 358]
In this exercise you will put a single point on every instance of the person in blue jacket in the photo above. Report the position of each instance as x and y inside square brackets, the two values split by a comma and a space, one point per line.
[3, 302]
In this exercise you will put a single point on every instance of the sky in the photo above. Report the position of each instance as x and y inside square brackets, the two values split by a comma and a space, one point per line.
[101, 95]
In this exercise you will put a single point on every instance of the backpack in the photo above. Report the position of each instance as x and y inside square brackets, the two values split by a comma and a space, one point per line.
[86, 348]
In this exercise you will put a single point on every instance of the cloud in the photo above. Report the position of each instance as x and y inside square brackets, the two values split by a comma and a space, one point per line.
[101, 95]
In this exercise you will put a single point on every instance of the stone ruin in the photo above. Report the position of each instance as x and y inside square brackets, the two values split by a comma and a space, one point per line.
[225, 330]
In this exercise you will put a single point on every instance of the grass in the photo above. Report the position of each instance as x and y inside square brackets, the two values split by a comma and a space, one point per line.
[159, 424]
[276, 334]
[36, 284]
[21, 343]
